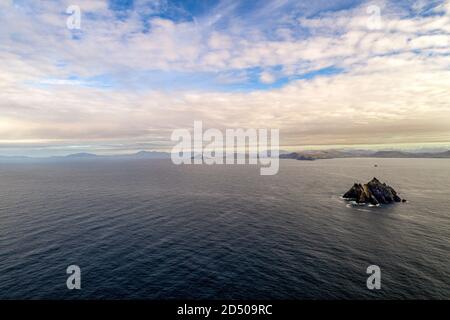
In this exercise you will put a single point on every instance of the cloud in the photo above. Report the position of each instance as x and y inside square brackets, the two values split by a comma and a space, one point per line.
[391, 86]
[267, 78]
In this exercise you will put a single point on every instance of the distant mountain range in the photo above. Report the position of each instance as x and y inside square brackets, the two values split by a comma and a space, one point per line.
[335, 154]
[138, 155]
[90, 156]
[309, 155]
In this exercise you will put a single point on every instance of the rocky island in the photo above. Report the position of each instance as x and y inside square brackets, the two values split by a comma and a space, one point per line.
[373, 192]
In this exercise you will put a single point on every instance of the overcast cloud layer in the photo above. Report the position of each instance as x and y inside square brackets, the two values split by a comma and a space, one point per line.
[323, 72]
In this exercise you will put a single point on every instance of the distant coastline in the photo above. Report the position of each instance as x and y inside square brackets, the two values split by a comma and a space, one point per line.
[307, 155]
[90, 156]
[336, 154]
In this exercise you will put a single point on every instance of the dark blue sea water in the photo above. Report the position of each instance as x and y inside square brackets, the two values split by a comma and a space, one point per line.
[153, 230]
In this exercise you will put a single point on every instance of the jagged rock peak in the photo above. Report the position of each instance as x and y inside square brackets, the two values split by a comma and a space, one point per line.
[374, 192]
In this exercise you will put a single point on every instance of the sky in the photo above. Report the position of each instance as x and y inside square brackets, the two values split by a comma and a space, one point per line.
[325, 73]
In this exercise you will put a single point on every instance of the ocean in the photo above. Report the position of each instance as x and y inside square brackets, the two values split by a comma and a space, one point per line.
[147, 229]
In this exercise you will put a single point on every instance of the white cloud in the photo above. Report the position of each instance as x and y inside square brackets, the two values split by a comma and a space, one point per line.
[393, 90]
[267, 77]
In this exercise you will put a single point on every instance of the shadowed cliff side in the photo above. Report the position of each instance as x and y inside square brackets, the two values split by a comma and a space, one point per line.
[373, 192]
